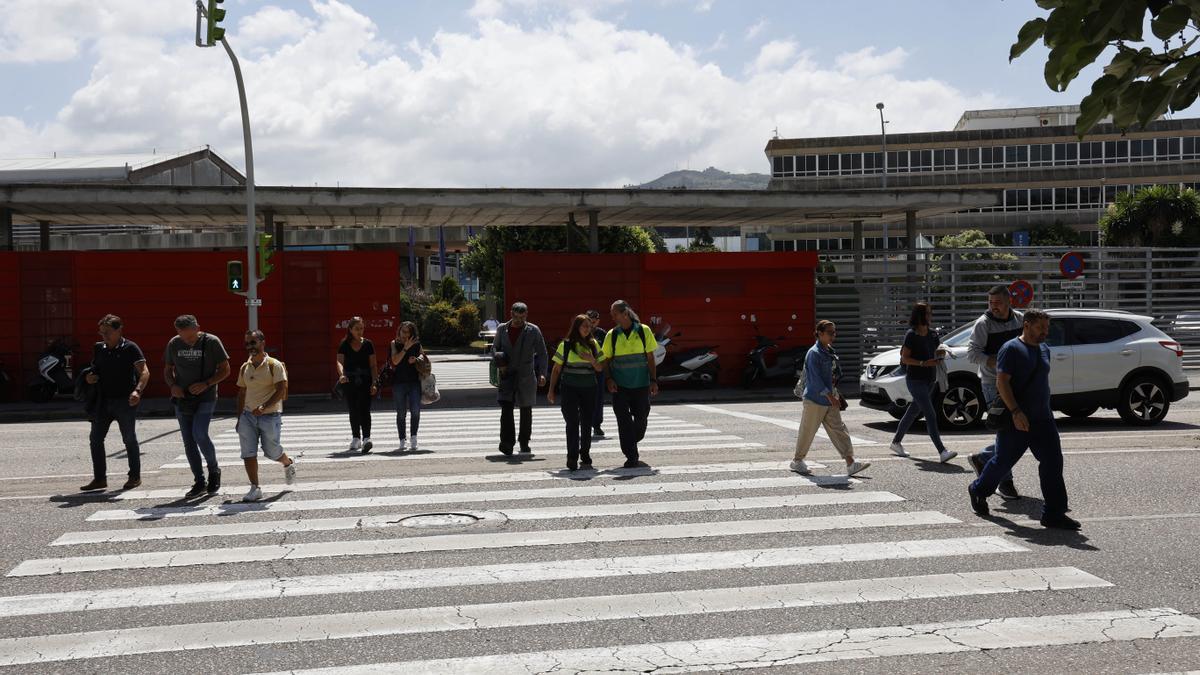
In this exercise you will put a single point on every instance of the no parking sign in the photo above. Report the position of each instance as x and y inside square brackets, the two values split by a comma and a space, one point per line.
[1071, 265]
[1021, 292]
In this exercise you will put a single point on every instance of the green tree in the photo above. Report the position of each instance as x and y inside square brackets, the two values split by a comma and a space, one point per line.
[1140, 82]
[1055, 234]
[985, 266]
[1160, 215]
[486, 256]
[701, 243]
[451, 291]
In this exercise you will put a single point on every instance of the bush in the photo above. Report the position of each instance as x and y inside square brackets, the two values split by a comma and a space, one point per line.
[469, 321]
[451, 291]
[435, 323]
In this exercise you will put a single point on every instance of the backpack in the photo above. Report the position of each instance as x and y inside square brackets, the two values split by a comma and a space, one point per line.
[271, 370]
[641, 333]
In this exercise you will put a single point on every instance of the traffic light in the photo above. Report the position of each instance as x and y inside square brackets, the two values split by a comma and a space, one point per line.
[235, 276]
[215, 16]
[265, 250]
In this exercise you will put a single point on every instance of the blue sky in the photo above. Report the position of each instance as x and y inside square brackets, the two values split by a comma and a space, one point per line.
[503, 92]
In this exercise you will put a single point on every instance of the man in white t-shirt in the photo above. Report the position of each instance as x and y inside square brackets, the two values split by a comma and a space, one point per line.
[262, 387]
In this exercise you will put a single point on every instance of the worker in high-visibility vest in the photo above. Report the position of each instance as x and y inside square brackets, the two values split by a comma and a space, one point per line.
[628, 354]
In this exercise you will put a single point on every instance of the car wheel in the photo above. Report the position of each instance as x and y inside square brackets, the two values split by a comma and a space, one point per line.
[708, 375]
[1144, 401]
[896, 413]
[749, 376]
[1081, 412]
[961, 406]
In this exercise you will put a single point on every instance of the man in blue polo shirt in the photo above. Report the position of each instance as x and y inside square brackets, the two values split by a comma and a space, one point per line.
[120, 373]
[1023, 382]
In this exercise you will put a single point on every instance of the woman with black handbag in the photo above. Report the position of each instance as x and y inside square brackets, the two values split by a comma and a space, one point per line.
[576, 362]
[403, 356]
[357, 372]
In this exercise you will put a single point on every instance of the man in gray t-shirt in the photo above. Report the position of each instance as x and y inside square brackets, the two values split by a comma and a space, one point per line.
[193, 365]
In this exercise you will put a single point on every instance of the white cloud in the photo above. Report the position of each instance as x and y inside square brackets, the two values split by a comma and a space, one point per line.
[865, 62]
[757, 28]
[33, 31]
[575, 102]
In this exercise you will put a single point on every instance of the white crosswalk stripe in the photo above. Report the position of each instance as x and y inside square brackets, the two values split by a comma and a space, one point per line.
[543, 549]
[462, 374]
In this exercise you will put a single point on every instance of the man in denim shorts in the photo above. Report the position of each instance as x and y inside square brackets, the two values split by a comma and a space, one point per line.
[262, 387]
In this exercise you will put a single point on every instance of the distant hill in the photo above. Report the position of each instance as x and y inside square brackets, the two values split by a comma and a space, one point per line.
[709, 179]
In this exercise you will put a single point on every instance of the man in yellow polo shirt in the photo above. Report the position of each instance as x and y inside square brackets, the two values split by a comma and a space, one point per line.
[262, 386]
[628, 354]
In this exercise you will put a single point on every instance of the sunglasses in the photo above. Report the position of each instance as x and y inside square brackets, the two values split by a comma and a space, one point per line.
[252, 344]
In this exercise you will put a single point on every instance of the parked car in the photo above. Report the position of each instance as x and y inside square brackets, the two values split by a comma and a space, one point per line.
[1099, 359]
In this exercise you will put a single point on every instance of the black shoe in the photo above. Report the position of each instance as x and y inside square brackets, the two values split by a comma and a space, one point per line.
[585, 461]
[507, 452]
[1060, 522]
[1008, 490]
[636, 464]
[96, 484]
[526, 450]
[977, 463]
[131, 483]
[214, 482]
[572, 466]
[978, 504]
[366, 446]
[196, 491]
[597, 433]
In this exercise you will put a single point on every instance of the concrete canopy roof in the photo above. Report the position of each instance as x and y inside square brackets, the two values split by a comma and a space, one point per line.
[303, 207]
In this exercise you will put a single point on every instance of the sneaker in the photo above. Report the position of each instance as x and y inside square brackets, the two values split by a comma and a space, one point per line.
[196, 491]
[413, 444]
[800, 467]
[214, 482]
[367, 445]
[978, 504]
[355, 444]
[857, 467]
[97, 484]
[977, 462]
[289, 473]
[1008, 490]
[403, 444]
[132, 483]
[1060, 522]
[507, 452]
[253, 495]
[947, 455]
[898, 450]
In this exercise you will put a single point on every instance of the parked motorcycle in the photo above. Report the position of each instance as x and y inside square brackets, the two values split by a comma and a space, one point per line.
[788, 363]
[55, 375]
[698, 364]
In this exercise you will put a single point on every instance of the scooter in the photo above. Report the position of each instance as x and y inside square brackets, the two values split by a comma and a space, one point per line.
[698, 364]
[54, 373]
[788, 363]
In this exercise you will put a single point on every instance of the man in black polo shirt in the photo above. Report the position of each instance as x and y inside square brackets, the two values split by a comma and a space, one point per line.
[120, 374]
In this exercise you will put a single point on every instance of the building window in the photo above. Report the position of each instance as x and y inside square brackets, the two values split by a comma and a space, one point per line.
[1091, 152]
[991, 158]
[943, 160]
[1191, 147]
[1167, 148]
[873, 162]
[809, 167]
[1041, 199]
[851, 163]
[897, 161]
[1016, 156]
[1065, 153]
[1066, 199]
[827, 165]
[1089, 198]
[776, 166]
[789, 166]
[1041, 155]
[920, 160]
[968, 158]
[1141, 150]
[1116, 152]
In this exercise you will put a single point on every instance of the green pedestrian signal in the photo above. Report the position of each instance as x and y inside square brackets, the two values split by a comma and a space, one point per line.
[215, 16]
[266, 249]
[235, 276]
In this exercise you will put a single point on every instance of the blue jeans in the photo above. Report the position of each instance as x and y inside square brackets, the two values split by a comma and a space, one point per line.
[260, 430]
[1042, 438]
[406, 396]
[194, 429]
[989, 394]
[922, 404]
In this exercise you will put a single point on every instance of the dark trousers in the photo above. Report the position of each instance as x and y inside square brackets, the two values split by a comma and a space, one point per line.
[508, 434]
[406, 396]
[631, 408]
[193, 428]
[125, 415]
[598, 410]
[1042, 439]
[358, 402]
[577, 409]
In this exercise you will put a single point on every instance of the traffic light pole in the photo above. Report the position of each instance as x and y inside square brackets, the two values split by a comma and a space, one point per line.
[252, 300]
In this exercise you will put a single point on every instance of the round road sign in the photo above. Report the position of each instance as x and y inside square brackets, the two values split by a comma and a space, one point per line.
[1071, 265]
[1021, 292]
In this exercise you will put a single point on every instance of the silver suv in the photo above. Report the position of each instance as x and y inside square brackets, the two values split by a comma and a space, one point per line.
[1099, 359]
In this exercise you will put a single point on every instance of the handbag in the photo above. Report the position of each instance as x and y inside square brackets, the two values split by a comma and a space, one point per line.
[429, 390]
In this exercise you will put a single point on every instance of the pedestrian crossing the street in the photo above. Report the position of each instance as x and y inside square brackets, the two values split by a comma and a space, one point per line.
[632, 566]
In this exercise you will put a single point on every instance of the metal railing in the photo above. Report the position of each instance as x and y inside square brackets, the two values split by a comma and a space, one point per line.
[870, 295]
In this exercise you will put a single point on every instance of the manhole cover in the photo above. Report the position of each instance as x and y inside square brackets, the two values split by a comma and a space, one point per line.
[439, 520]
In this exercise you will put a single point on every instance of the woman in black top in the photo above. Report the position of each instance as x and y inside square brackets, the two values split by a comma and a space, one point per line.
[357, 370]
[404, 352]
[920, 356]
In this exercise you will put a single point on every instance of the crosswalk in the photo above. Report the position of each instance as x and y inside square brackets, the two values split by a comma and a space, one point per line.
[461, 373]
[343, 561]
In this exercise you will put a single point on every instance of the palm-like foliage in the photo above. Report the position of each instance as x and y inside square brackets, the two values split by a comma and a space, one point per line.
[1160, 215]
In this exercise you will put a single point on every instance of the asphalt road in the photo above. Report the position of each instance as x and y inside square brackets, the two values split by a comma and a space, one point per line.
[716, 558]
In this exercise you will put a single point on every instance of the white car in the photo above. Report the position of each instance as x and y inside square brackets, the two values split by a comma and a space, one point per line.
[1099, 359]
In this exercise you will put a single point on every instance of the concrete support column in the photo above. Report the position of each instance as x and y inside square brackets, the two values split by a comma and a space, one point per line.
[44, 235]
[910, 232]
[6, 229]
[571, 225]
[275, 227]
[856, 245]
[593, 231]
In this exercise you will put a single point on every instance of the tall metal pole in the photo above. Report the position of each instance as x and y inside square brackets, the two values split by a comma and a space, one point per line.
[251, 270]
[883, 137]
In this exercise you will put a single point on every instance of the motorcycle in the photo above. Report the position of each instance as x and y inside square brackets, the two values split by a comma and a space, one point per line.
[55, 375]
[788, 363]
[698, 364]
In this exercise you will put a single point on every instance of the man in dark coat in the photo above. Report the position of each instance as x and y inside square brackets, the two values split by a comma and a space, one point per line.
[521, 351]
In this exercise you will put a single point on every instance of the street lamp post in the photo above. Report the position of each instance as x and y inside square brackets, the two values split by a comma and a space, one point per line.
[883, 138]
